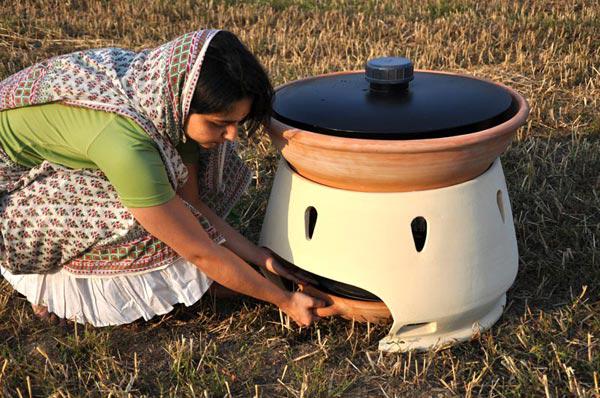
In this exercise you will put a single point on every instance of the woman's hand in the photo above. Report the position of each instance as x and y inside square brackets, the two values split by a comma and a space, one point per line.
[300, 307]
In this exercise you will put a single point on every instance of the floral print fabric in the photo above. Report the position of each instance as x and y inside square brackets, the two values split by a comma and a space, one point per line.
[52, 216]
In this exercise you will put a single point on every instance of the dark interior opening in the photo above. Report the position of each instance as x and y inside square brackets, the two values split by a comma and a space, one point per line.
[311, 221]
[327, 285]
[419, 232]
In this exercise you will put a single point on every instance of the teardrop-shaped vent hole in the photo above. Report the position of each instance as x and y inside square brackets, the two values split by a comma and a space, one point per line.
[419, 232]
[500, 202]
[310, 221]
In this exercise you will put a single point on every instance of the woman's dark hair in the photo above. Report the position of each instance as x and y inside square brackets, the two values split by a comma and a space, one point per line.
[230, 72]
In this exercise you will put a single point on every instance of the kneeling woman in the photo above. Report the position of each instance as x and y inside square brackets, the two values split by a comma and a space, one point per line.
[116, 170]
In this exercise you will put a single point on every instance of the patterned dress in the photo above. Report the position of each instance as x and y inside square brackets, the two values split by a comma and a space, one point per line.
[66, 227]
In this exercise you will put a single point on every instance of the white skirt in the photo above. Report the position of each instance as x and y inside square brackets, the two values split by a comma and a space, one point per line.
[115, 300]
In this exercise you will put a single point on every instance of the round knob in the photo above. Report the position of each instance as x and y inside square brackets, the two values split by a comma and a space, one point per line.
[389, 71]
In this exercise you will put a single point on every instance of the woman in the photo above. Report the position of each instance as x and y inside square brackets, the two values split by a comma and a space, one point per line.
[116, 169]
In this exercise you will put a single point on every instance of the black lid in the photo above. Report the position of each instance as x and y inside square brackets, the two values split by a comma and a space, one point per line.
[389, 101]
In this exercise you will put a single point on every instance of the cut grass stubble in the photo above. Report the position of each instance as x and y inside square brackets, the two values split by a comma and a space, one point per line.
[546, 343]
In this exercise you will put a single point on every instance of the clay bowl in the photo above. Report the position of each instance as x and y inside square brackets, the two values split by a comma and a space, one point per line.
[358, 310]
[371, 165]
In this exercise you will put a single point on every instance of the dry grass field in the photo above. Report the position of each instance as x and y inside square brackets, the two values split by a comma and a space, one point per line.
[547, 343]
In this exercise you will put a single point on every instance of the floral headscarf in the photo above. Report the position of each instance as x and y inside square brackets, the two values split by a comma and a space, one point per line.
[153, 87]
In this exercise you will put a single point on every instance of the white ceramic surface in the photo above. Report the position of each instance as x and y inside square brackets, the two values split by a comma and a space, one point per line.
[454, 287]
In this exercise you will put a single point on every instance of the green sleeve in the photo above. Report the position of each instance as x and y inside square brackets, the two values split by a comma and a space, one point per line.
[132, 164]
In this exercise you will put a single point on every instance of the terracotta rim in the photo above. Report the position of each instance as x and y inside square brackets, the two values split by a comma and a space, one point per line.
[345, 144]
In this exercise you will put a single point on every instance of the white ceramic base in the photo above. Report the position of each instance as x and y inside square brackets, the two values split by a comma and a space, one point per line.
[444, 332]
[452, 288]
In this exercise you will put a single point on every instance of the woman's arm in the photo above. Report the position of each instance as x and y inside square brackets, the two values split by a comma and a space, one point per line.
[175, 225]
[236, 242]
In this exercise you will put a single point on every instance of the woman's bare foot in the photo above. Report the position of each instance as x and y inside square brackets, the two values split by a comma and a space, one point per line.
[41, 311]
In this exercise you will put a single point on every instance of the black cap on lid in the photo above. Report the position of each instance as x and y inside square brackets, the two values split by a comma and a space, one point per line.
[389, 70]
[381, 104]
